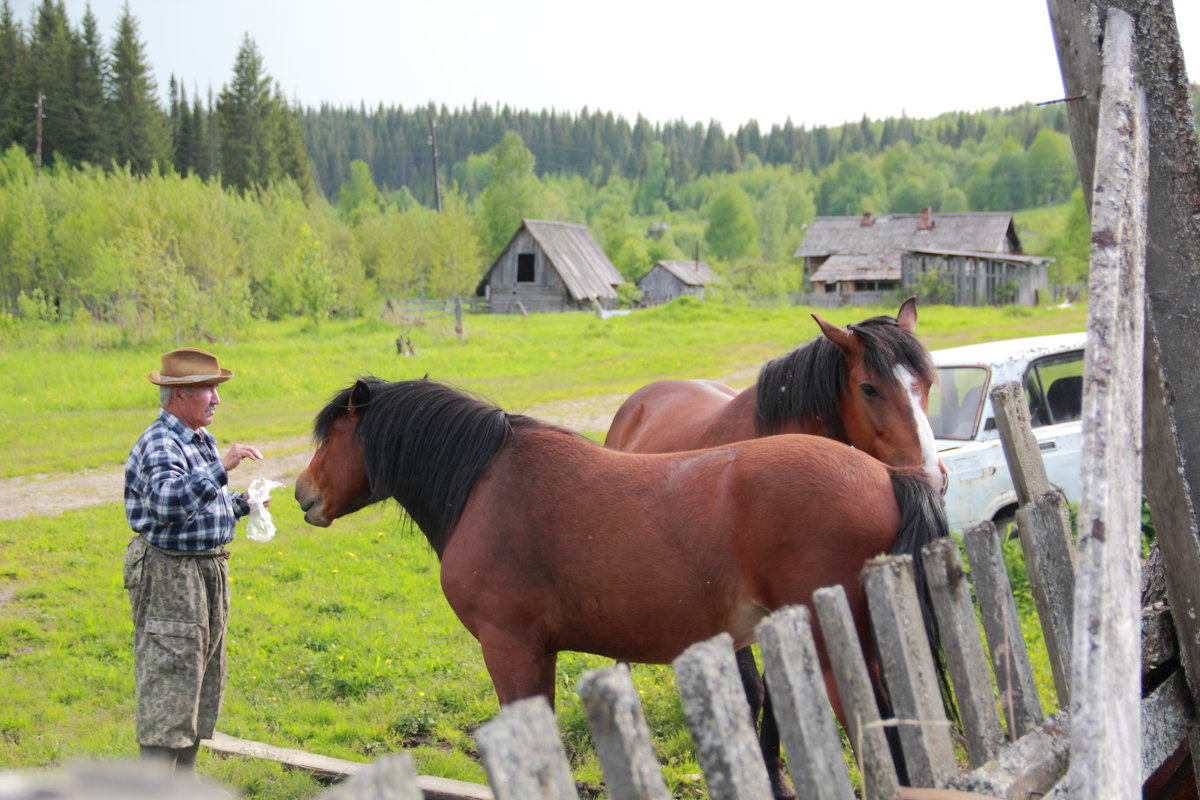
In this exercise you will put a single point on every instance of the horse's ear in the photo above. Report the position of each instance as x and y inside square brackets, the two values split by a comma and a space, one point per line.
[846, 341]
[360, 395]
[906, 317]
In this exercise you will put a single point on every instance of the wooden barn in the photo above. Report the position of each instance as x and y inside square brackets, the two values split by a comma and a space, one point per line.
[979, 254]
[667, 280]
[550, 266]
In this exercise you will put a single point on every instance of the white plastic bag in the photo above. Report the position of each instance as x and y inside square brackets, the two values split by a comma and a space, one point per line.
[259, 526]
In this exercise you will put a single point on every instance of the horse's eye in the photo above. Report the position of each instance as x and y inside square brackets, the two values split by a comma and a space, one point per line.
[869, 390]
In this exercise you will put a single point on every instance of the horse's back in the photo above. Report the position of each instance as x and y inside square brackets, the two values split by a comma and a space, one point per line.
[672, 415]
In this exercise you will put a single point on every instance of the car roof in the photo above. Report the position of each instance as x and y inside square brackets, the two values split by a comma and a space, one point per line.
[1008, 350]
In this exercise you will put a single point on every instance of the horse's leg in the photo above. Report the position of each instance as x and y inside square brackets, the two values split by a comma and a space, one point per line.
[519, 667]
[769, 740]
[759, 698]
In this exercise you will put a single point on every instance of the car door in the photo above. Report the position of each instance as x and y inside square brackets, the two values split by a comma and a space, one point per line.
[1054, 390]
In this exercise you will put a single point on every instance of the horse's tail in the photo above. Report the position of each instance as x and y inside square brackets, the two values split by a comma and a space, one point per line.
[922, 520]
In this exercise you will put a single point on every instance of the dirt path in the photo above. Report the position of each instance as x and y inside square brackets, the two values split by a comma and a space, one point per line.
[50, 495]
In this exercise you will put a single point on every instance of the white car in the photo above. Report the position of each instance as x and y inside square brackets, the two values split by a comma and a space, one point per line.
[960, 411]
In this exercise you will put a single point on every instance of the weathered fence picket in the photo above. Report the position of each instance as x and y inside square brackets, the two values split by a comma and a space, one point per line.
[1006, 641]
[856, 694]
[1044, 528]
[906, 662]
[716, 712]
[958, 629]
[621, 736]
[523, 755]
[393, 777]
[806, 726]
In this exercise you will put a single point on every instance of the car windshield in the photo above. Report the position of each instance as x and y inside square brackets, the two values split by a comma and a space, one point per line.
[956, 400]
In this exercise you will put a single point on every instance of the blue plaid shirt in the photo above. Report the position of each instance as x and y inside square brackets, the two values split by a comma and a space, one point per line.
[175, 493]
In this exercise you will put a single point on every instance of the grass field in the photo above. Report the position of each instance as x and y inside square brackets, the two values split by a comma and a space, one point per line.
[339, 642]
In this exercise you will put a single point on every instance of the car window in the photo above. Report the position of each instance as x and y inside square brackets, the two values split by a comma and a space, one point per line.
[1054, 389]
[956, 400]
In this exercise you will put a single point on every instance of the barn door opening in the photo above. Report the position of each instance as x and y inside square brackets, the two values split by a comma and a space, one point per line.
[525, 272]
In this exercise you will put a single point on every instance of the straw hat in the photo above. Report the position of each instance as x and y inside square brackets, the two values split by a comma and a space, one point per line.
[188, 366]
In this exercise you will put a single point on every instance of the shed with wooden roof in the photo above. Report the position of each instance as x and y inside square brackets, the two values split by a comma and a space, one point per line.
[667, 280]
[977, 254]
[550, 266]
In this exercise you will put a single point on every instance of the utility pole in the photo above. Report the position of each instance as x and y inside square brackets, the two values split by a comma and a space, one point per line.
[37, 138]
[437, 193]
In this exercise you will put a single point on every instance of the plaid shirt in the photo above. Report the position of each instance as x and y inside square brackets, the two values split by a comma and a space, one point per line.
[175, 493]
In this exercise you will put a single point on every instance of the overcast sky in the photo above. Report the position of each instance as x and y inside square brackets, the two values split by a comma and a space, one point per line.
[824, 62]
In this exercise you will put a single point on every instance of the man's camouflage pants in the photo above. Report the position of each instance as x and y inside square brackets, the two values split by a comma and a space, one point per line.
[180, 606]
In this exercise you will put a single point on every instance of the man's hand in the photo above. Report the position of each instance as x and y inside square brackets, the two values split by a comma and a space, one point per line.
[236, 454]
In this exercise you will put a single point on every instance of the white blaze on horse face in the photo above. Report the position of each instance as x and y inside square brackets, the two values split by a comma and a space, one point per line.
[929, 456]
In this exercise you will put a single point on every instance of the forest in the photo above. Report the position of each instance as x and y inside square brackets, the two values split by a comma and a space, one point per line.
[166, 219]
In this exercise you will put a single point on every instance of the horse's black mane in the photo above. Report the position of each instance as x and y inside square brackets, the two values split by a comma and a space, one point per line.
[425, 444]
[807, 383]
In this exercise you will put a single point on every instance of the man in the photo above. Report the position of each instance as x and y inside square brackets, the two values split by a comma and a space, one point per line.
[175, 570]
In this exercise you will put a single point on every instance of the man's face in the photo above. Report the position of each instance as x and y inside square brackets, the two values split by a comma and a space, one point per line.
[194, 405]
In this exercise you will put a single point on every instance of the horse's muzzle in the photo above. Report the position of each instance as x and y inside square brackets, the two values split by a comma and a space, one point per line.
[309, 500]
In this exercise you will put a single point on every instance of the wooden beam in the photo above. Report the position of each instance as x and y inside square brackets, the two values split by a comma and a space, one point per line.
[327, 768]
[1172, 378]
[1106, 657]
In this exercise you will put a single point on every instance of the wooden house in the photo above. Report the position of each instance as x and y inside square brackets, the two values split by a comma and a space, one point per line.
[978, 254]
[667, 280]
[550, 266]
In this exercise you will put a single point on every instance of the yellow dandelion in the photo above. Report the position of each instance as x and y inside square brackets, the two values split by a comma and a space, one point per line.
[341, 658]
[334, 570]
[351, 554]
[420, 694]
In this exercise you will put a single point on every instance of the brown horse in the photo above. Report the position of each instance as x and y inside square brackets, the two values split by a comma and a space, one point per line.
[549, 542]
[866, 385]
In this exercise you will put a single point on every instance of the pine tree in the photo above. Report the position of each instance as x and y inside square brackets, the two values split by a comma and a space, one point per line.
[261, 138]
[243, 112]
[16, 100]
[51, 52]
[90, 80]
[138, 124]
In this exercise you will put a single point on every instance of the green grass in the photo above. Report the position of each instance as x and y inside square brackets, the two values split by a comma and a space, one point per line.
[340, 641]
[68, 406]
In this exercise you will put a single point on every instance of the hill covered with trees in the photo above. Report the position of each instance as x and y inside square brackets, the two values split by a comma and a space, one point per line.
[118, 206]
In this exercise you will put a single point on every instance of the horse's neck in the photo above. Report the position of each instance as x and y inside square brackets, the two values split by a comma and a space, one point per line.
[813, 426]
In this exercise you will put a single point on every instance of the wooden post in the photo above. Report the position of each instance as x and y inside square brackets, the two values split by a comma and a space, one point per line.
[718, 716]
[1172, 407]
[458, 317]
[621, 736]
[806, 727]
[859, 710]
[908, 671]
[523, 755]
[959, 631]
[1006, 641]
[1106, 675]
